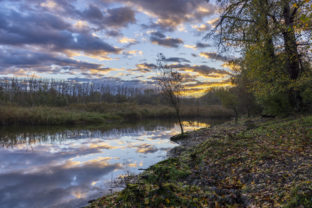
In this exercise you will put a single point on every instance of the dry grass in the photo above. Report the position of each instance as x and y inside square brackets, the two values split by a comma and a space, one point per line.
[93, 113]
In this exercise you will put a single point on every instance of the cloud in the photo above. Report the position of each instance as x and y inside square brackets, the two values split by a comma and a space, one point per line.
[202, 45]
[197, 78]
[115, 17]
[197, 70]
[201, 27]
[198, 89]
[93, 13]
[208, 25]
[144, 68]
[213, 22]
[12, 61]
[201, 69]
[190, 46]
[133, 53]
[144, 148]
[214, 56]
[198, 45]
[55, 34]
[127, 40]
[48, 31]
[176, 59]
[113, 33]
[146, 65]
[160, 39]
[170, 14]
[232, 66]
[119, 17]
[47, 187]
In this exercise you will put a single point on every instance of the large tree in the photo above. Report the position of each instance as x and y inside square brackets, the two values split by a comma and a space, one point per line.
[274, 37]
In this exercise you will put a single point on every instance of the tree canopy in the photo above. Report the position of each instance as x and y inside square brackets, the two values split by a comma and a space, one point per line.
[274, 37]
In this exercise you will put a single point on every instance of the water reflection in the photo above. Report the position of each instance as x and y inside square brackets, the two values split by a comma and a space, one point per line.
[66, 168]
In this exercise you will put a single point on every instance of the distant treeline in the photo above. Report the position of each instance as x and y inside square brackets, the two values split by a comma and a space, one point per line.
[34, 92]
[51, 92]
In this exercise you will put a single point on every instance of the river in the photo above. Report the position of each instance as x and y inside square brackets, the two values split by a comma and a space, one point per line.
[58, 167]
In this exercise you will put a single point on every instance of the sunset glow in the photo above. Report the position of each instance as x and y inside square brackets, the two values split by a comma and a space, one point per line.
[109, 40]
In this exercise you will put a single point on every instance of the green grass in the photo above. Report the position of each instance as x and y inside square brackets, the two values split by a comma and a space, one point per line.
[268, 166]
[301, 195]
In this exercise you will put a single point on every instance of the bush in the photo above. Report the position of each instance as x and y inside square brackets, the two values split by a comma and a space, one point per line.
[277, 104]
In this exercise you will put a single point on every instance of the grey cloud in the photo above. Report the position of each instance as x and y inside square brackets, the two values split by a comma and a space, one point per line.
[202, 45]
[12, 60]
[202, 69]
[93, 12]
[158, 35]
[176, 59]
[116, 17]
[207, 70]
[161, 39]
[48, 31]
[113, 82]
[149, 66]
[120, 17]
[113, 33]
[174, 12]
[215, 56]
[145, 67]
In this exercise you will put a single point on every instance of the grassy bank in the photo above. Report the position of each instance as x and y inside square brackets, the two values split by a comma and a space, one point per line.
[268, 164]
[134, 111]
[48, 116]
[96, 113]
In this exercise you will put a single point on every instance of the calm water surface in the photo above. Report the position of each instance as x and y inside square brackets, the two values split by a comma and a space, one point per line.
[66, 168]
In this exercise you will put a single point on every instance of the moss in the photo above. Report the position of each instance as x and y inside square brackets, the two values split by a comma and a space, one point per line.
[179, 137]
[169, 170]
[301, 196]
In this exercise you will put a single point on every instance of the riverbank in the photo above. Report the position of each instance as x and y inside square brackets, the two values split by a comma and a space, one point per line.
[258, 163]
[99, 113]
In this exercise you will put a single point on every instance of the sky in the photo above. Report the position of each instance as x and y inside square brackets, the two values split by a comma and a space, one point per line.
[115, 41]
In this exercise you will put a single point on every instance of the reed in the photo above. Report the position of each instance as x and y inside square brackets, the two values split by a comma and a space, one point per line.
[95, 113]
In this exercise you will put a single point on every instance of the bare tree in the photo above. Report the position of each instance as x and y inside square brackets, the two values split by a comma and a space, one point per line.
[171, 84]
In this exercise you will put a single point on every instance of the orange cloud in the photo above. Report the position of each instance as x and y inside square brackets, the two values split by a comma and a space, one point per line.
[232, 66]
[127, 40]
[198, 90]
[190, 46]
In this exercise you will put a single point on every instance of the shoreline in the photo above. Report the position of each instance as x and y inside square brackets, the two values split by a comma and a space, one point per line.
[234, 165]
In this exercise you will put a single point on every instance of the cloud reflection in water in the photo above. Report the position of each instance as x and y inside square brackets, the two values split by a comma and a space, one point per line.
[68, 168]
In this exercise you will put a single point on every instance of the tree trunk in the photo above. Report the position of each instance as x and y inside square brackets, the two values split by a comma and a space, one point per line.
[265, 30]
[291, 50]
[248, 112]
[236, 115]
[292, 55]
[179, 119]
